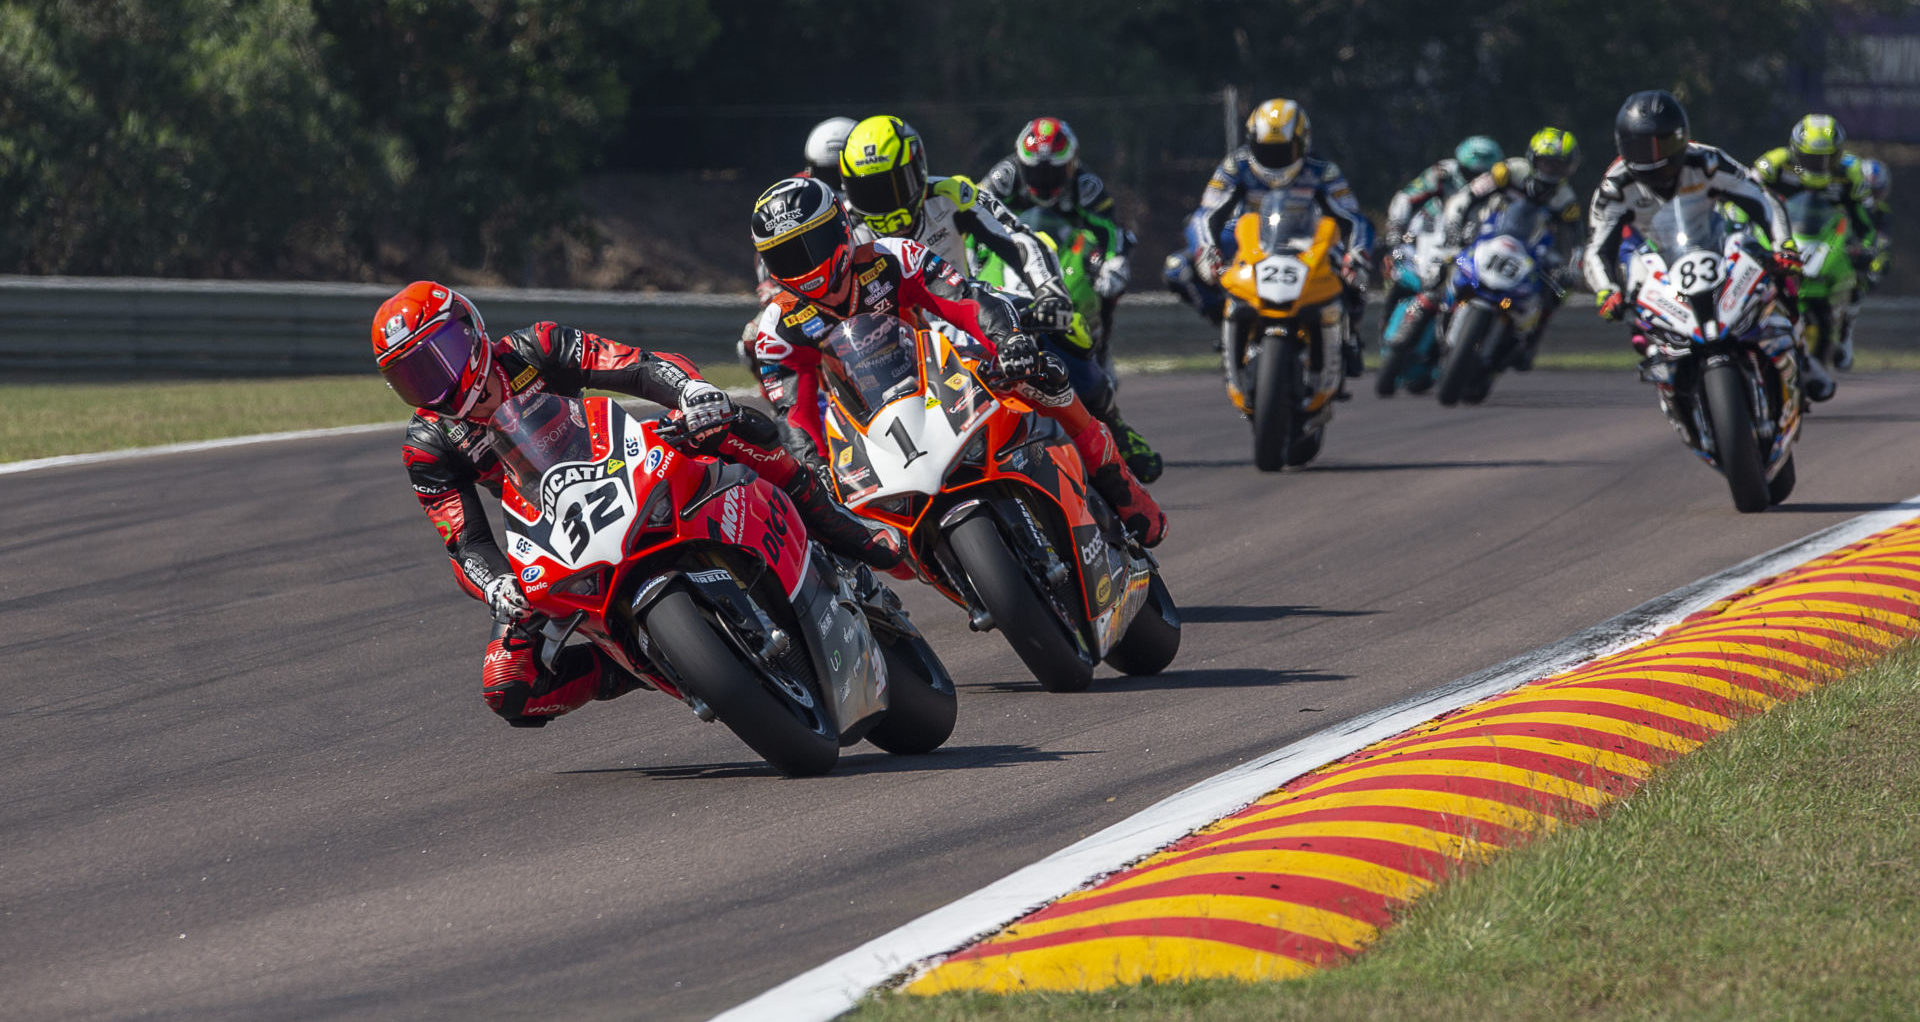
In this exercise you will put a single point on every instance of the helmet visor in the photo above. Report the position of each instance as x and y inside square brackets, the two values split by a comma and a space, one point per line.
[879, 194]
[1277, 155]
[1552, 168]
[1044, 180]
[1815, 165]
[428, 373]
[1646, 153]
[806, 252]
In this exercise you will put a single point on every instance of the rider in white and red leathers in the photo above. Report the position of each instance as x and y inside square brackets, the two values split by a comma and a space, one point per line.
[1273, 157]
[1658, 160]
[828, 277]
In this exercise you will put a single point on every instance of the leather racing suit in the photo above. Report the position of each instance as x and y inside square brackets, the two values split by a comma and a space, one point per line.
[1505, 182]
[1235, 187]
[449, 460]
[904, 278]
[1084, 202]
[1848, 190]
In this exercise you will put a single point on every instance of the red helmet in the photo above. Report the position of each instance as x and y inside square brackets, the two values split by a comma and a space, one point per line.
[432, 348]
[1047, 158]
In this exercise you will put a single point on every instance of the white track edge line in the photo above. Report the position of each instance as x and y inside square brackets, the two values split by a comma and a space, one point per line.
[831, 989]
[191, 446]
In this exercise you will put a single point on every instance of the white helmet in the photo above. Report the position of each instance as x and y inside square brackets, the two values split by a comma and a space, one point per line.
[824, 144]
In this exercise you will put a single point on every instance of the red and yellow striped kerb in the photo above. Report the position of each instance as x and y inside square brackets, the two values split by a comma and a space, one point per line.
[1307, 876]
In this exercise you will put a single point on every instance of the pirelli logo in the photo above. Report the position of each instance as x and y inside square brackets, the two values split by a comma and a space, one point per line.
[526, 376]
[879, 266]
[801, 316]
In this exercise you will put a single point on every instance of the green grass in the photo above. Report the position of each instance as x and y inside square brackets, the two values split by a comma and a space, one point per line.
[1775, 874]
[39, 420]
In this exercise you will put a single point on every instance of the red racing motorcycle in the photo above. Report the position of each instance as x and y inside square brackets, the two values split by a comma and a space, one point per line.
[698, 576]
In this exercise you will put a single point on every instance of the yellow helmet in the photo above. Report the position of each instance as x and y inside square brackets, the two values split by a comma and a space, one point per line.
[1816, 148]
[883, 172]
[1277, 138]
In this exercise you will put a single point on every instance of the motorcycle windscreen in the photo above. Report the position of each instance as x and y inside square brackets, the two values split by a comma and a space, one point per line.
[1810, 214]
[869, 362]
[535, 431]
[1689, 223]
[1287, 218]
[1522, 219]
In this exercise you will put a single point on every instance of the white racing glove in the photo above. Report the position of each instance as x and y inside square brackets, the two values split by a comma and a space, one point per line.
[504, 599]
[704, 408]
[1208, 264]
[1112, 281]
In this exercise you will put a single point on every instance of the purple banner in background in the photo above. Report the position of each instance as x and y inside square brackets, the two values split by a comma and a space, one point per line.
[1873, 81]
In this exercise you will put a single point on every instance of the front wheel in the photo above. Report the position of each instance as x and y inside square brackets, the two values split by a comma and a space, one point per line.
[1276, 402]
[921, 704]
[1780, 487]
[1152, 638]
[1019, 611]
[1735, 447]
[1463, 366]
[795, 740]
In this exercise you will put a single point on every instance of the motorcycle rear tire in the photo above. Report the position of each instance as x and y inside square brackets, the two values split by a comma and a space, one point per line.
[712, 670]
[1152, 639]
[1276, 402]
[921, 704]
[1024, 616]
[1464, 364]
[1780, 487]
[1736, 448]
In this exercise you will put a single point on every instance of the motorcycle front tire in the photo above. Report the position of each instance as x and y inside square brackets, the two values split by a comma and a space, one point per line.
[1276, 402]
[1019, 611]
[1464, 364]
[710, 668]
[1736, 448]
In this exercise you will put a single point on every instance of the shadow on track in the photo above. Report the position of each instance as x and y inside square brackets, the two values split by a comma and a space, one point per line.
[1235, 614]
[1415, 466]
[951, 757]
[1244, 677]
[1846, 508]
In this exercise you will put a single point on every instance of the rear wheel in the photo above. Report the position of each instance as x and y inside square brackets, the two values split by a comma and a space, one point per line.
[1463, 366]
[1736, 448]
[1276, 402]
[1780, 487]
[1152, 638]
[796, 740]
[1019, 611]
[1396, 360]
[921, 704]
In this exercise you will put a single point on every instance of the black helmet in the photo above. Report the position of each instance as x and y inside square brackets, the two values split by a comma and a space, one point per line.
[804, 239]
[1651, 133]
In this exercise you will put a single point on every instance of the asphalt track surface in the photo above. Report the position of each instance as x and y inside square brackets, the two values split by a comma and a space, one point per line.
[247, 773]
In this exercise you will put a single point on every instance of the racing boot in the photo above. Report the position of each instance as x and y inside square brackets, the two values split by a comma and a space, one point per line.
[1819, 383]
[1142, 460]
[1108, 474]
[839, 529]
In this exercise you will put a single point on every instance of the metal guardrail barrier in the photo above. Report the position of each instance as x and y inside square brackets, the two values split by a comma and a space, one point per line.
[120, 327]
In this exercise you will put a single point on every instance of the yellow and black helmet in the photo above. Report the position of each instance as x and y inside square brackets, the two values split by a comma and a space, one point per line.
[1278, 136]
[1815, 148]
[883, 170]
[1553, 154]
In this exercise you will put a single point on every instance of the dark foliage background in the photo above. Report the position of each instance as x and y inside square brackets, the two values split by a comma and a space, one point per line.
[375, 139]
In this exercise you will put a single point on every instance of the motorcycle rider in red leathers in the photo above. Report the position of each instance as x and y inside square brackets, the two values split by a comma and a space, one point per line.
[803, 234]
[433, 350]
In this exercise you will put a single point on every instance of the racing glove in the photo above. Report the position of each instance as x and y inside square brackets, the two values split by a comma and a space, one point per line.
[1786, 260]
[504, 599]
[1112, 281]
[1208, 264]
[1051, 309]
[704, 409]
[1357, 269]
[1612, 305]
[1017, 358]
